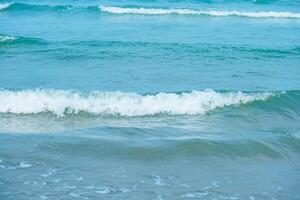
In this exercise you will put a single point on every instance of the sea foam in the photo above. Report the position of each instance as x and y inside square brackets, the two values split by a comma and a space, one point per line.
[4, 5]
[6, 38]
[61, 102]
[222, 13]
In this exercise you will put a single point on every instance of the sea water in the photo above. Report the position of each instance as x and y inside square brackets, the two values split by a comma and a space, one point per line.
[150, 99]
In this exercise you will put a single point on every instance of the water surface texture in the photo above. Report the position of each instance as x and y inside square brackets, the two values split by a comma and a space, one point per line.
[150, 99]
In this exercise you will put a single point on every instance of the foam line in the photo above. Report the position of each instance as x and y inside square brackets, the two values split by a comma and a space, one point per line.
[224, 13]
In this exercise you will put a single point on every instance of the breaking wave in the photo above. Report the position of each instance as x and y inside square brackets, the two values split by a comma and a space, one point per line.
[23, 6]
[224, 13]
[62, 102]
[151, 11]
[4, 5]
[7, 38]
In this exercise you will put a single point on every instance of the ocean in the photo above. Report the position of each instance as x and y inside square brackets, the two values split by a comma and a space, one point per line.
[150, 99]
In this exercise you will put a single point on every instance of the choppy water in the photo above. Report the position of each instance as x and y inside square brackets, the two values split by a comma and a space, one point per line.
[194, 99]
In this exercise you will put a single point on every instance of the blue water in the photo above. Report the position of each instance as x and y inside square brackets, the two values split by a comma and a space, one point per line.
[123, 99]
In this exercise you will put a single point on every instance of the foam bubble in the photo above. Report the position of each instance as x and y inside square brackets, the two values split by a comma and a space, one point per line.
[61, 102]
[222, 13]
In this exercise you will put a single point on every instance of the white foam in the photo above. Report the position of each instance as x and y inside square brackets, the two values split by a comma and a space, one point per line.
[4, 5]
[103, 190]
[61, 102]
[221, 13]
[6, 38]
[158, 180]
[25, 165]
[195, 195]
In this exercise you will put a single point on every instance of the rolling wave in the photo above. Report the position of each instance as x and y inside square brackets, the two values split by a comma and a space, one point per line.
[184, 47]
[4, 5]
[61, 102]
[224, 13]
[23, 6]
[7, 38]
[153, 11]
[13, 40]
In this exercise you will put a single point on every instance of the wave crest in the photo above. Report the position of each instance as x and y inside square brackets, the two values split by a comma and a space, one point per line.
[15, 40]
[7, 38]
[5, 5]
[34, 7]
[159, 11]
[61, 102]
[151, 11]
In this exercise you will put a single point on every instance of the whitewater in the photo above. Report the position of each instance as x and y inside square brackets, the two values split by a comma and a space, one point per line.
[4, 5]
[154, 11]
[118, 103]
[216, 13]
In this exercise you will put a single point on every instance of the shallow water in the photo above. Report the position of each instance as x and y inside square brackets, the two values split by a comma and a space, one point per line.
[150, 99]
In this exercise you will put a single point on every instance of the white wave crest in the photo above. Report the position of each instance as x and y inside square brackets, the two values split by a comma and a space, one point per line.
[6, 38]
[61, 102]
[4, 5]
[158, 11]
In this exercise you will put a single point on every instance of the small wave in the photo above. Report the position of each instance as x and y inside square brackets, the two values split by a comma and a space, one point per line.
[150, 11]
[6, 38]
[160, 11]
[61, 102]
[14, 40]
[23, 6]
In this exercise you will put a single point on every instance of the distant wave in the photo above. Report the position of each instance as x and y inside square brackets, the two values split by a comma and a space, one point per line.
[7, 38]
[61, 102]
[13, 40]
[187, 48]
[23, 6]
[159, 11]
[152, 11]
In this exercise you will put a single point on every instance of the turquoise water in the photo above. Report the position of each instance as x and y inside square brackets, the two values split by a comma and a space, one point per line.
[123, 99]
